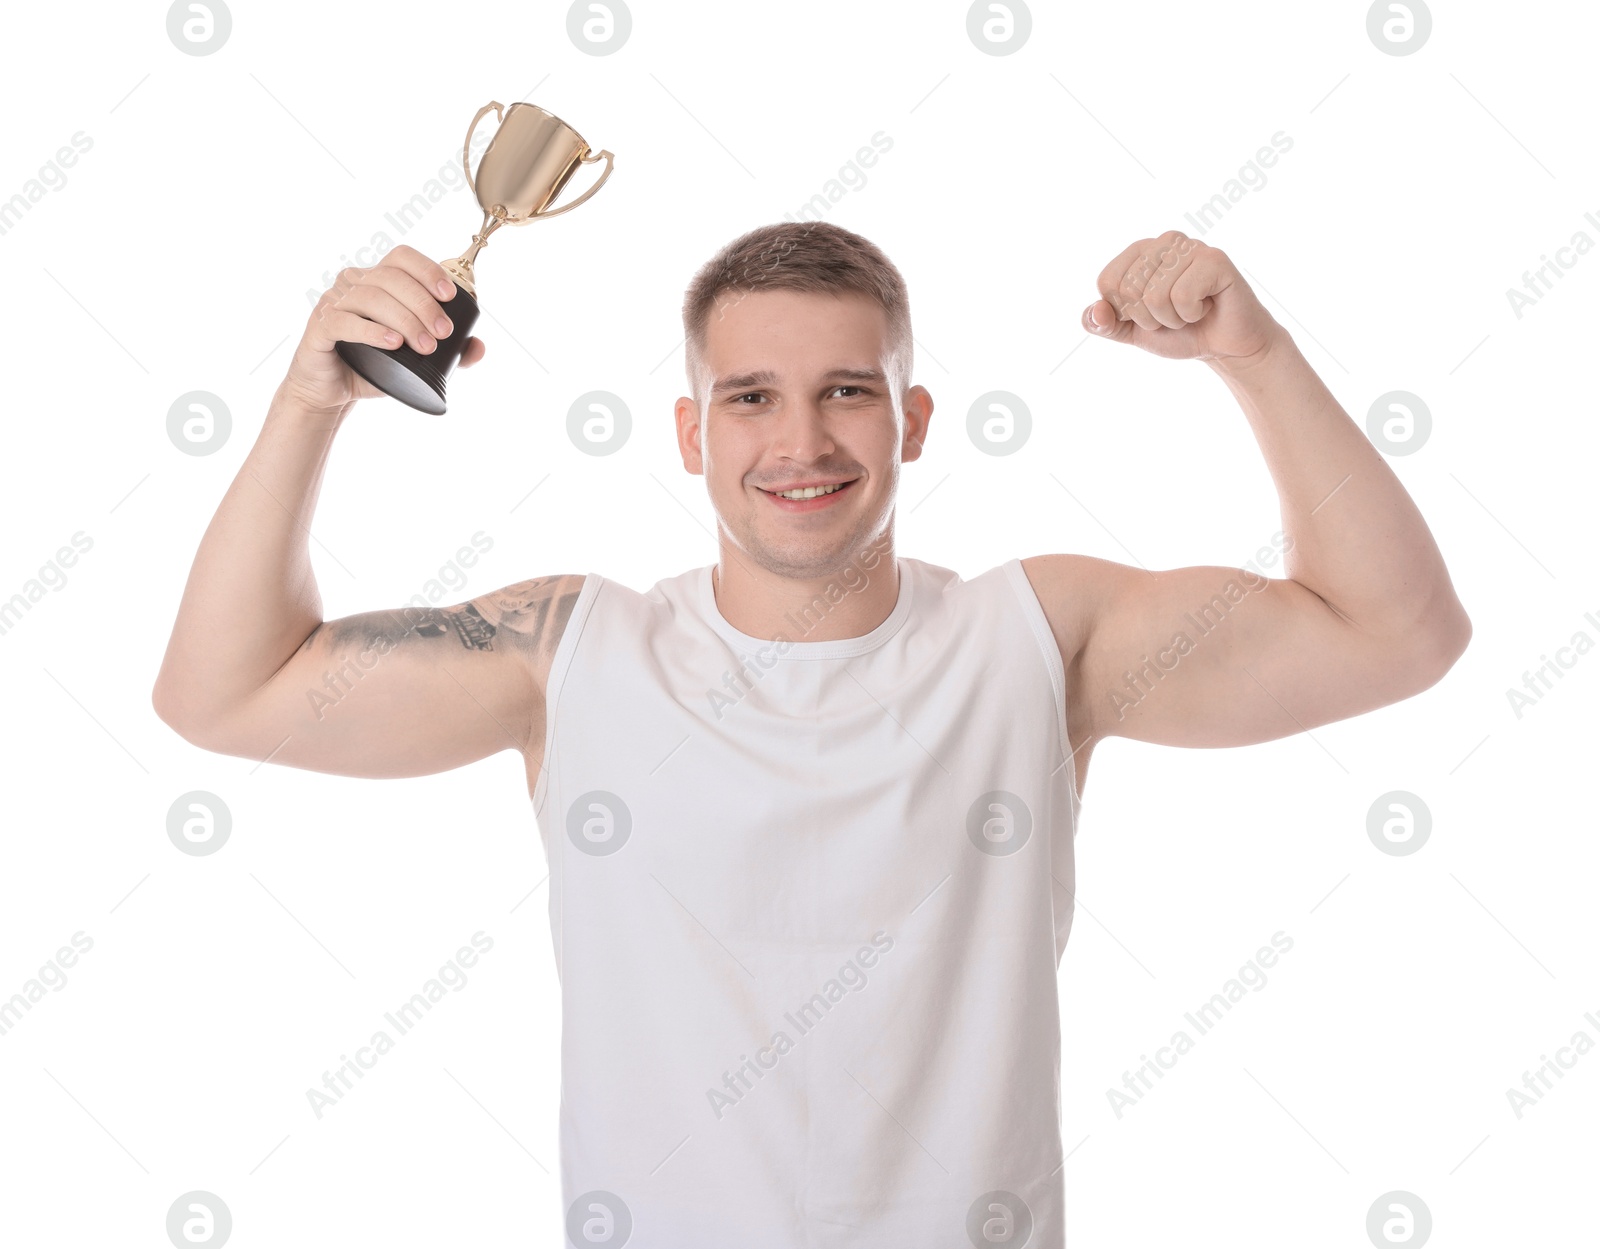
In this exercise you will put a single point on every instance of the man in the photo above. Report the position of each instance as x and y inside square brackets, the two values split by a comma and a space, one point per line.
[809, 811]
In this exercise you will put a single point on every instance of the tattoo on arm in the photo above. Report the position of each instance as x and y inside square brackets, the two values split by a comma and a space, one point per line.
[475, 632]
[530, 615]
[535, 611]
[383, 630]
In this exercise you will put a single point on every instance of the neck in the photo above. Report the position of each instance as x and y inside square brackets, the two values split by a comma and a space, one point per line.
[849, 601]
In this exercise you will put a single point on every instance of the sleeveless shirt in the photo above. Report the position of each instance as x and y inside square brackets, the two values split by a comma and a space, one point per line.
[808, 900]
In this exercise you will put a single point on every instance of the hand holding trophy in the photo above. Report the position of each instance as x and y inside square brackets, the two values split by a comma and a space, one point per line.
[524, 168]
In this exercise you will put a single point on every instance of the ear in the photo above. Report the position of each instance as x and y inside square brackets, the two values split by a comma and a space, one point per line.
[686, 412]
[918, 407]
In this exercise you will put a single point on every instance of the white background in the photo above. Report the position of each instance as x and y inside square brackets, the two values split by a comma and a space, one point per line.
[220, 189]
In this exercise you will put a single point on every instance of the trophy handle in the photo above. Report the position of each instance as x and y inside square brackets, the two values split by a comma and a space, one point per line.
[467, 146]
[584, 160]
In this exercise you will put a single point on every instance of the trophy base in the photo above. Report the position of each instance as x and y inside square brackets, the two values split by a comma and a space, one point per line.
[414, 379]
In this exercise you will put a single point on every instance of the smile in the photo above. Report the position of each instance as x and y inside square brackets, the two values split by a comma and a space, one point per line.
[809, 501]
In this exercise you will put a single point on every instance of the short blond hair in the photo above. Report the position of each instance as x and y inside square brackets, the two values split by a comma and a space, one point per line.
[815, 256]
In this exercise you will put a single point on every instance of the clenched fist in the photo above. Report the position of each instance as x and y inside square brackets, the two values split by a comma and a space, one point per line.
[1176, 297]
[395, 301]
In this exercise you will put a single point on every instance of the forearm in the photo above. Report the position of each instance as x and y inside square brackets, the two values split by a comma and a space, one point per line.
[1352, 533]
[251, 598]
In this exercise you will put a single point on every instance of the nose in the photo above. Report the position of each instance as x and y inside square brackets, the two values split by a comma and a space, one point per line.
[801, 433]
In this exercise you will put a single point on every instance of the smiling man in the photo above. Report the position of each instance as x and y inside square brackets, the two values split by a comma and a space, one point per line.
[809, 809]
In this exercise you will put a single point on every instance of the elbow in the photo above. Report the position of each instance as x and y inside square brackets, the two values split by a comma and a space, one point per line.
[1440, 642]
[170, 710]
[1453, 633]
[161, 702]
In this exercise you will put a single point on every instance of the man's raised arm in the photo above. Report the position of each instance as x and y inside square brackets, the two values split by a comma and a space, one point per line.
[1218, 656]
[247, 668]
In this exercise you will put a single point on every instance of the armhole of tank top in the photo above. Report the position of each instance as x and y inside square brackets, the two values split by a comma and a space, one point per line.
[556, 680]
[1039, 624]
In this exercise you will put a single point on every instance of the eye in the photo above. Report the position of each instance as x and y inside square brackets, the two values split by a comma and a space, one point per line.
[860, 390]
[739, 399]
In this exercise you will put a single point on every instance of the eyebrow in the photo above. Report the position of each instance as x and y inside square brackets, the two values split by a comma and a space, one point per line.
[766, 377]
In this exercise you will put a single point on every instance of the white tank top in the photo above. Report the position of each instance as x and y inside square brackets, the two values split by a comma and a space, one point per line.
[808, 901]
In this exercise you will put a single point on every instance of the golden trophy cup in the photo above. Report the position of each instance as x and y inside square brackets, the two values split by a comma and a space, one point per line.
[524, 168]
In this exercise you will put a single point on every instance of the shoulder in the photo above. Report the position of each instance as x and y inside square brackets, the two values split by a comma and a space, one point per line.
[1066, 587]
[530, 617]
[1073, 591]
[587, 603]
[1069, 589]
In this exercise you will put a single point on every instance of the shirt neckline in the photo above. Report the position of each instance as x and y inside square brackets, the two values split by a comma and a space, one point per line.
[780, 648]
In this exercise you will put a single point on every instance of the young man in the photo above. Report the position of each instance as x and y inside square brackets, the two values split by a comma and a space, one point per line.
[809, 811]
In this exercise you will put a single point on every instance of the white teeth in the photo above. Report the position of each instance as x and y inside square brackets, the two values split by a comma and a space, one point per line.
[810, 492]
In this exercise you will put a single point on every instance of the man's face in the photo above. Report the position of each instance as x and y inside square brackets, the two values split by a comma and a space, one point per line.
[797, 389]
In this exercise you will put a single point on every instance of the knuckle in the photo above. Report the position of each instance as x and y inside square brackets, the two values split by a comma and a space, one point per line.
[426, 307]
[408, 300]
